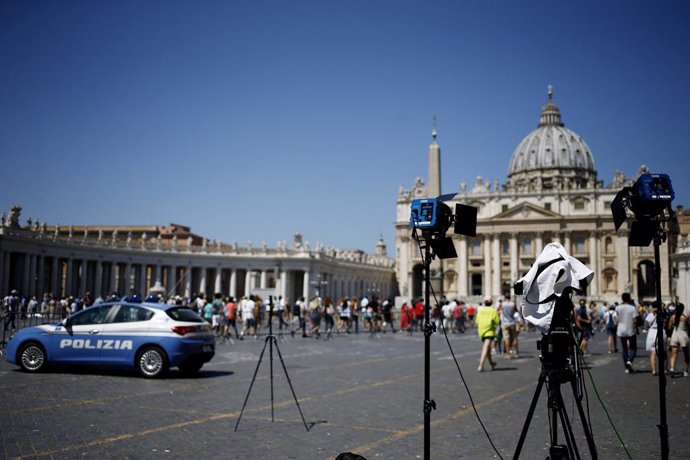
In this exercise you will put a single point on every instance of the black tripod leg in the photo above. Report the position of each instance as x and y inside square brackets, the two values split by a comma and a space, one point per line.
[585, 427]
[567, 427]
[530, 413]
[280, 355]
[271, 339]
[256, 371]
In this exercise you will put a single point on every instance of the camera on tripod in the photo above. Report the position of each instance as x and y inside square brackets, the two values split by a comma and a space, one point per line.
[546, 303]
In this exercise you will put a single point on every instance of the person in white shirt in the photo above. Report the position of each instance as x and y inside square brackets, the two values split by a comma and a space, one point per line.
[247, 307]
[627, 331]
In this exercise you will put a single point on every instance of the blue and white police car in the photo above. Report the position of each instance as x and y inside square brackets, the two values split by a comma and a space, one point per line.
[148, 337]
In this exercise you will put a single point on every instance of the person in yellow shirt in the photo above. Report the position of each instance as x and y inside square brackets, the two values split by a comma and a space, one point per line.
[487, 321]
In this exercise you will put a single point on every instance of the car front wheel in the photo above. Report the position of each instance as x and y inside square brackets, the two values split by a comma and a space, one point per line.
[152, 362]
[32, 357]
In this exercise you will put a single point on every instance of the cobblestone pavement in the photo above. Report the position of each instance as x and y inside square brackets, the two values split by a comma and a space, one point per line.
[357, 393]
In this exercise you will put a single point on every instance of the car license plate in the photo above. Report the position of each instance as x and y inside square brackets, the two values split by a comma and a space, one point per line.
[207, 348]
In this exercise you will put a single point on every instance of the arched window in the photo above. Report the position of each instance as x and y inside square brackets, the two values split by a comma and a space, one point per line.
[610, 283]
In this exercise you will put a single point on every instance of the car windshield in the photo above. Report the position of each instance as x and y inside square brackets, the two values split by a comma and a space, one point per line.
[184, 314]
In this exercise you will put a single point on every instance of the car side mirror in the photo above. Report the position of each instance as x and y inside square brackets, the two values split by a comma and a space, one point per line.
[67, 323]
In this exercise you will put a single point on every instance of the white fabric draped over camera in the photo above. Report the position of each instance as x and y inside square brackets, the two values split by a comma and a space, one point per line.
[552, 272]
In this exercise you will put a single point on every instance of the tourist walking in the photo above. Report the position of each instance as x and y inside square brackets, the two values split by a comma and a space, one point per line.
[230, 315]
[509, 330]
[487, 321]
[610, 320]
[11, 306]
[650, 344]
[679, 339]
[627, 331]
[584, 324]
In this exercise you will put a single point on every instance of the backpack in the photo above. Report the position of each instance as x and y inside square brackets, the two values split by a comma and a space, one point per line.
[230, 311]
[610, 324]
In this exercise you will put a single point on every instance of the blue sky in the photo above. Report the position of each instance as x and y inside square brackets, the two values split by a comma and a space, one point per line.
[252, 120]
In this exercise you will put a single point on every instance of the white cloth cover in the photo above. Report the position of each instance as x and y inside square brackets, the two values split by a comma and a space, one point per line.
[552, 272]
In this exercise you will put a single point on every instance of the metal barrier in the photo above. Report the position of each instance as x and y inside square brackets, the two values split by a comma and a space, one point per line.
[9, 326]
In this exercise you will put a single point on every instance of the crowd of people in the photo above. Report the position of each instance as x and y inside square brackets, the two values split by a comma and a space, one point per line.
[498, 326]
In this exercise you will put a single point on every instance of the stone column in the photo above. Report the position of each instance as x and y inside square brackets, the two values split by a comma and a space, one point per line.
[68, 278]
[263, 279]
[26, 276]
[217, 286]
[41, 285]
[463, 262]
[283, 284]
[594, 264]
[158, 270]
[496, 262]
[171, 288]
[99, 279]
[233, 282]
[83, 277]
[306, 285]
[566, 242]
[623, 261]
[188, 281]
[487, 265]
[248, 283]
[128, 279]
[538, 244]
[514, 257]
[143, 288]
[114, 277]
[54, 275]
[202, 280]
[32, 276]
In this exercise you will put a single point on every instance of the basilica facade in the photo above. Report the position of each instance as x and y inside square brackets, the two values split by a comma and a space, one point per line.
[552, 193]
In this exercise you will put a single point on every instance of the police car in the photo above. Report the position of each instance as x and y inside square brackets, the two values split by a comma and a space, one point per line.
[148, 337]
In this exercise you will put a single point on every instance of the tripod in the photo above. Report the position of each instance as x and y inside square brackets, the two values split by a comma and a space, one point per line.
[555, 372]
[270, 342]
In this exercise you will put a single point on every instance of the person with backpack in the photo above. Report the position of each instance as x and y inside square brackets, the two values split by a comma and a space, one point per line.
[610, 321]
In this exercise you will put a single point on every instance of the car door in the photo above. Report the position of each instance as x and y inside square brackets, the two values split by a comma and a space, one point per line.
[127, 327]
[76, 340]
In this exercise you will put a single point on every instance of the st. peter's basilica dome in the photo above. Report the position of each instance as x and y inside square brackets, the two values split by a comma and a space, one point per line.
[551, 157]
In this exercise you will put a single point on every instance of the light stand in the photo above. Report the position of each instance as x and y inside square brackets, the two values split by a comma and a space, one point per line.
[271, 341]
[429, 404]
[649, 199]
[659, 237]
[433, 218]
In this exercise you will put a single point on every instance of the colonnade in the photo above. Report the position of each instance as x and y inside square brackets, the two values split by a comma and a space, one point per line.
[37, 270]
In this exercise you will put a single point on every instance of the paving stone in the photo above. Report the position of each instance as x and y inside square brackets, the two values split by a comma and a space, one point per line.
[357, 393]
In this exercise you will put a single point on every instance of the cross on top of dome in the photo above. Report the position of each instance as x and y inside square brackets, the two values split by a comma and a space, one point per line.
[550, 114]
